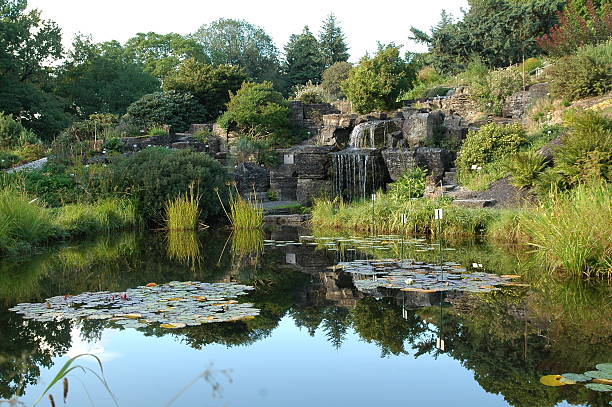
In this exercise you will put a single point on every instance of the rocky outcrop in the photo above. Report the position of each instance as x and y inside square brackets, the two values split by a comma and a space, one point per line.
[337, 129]
[516, 105]
[252, 178]
[434, 160]
[422, 128]
[313, 162]
[459, 102]
[310, 116]
[308, 189]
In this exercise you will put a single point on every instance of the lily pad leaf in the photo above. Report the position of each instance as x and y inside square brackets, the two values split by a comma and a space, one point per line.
[552, 380]
[599, 374]
[598, 387]
[576, 377]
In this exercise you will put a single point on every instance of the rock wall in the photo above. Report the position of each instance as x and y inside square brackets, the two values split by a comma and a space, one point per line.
[310, 116]
[518, 104]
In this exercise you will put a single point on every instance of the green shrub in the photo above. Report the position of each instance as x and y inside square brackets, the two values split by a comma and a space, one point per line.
[178, 110]
[203, 135]
[333, 77]
[12, 133]
[492, 90]
[244, 214]
[8, 159]
[530, 65]
[157, 131]
[491, 143]
[410, 185]
[587, 73]
[259, 111]
[114, 144]
[31, 152]
[156, 175]
[101, 216]
[545, 134]
[586, 149]
[525, 167]
[246, 149]
[377, 82]
[310, 93]
[183, 212]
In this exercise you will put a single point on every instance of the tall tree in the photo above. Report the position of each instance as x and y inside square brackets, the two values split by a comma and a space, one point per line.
[211, 85]
[332, 42]
[304, 61]
[237, 42]
[160, 54]
[28, 46]
[500, 32]
[99, 78]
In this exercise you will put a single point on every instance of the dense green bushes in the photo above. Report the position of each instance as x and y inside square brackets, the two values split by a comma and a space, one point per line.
[377, 82]
[410, 185]
[178, 110]
[586, 73]
[490, 143]
[257, 110]
[333, 78]
[155, 175]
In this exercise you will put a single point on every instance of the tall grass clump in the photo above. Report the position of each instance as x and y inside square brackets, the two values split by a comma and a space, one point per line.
[244, 213]
[385, 216]
[571, 232]
[183, 212]
[23, 221]
[104, 215]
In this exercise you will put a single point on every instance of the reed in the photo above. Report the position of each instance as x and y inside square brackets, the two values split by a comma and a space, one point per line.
[571, 231]
[243, 213]
[184, 247]
[102, 216]
[183, 212]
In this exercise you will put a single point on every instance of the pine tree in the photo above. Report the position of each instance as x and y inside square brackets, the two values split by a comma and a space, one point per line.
[304, 61]
[332, 42]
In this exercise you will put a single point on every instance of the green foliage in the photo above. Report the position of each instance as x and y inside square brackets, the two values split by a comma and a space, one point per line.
[491, 143]
[247, 149]
[310, 93]
[525, 167]
[492, 88]
[107, 214]
[579, 25]
[156, 175]
[12, 133]
[587, 73]
[161, 54]
[572, 231]
[240, 43]
[29, 47]
[8, 159]
[114, 144]
[500, 32]
[98, 78]
[53, 186]
[157, 131]
[333, 77]
[332, 42]
[183, 212]
[410, 185]
[243, 214]
[178, 110]
[257, 110]
[304, 59]
[585, 153]
[376, 83]
[211, 85]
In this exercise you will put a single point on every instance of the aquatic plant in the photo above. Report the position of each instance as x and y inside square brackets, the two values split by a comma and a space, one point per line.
[104, 215]
[243, 213]
[184, 246]
[183, 212]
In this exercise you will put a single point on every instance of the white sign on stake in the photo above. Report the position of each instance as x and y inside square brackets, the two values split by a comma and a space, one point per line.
[288, 159]
[439, 214]
[373, 197]
[404, 219]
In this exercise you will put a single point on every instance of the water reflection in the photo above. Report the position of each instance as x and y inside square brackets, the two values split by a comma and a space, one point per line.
[507, 339]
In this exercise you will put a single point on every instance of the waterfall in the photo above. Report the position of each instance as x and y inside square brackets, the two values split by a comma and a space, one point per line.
[357, 173]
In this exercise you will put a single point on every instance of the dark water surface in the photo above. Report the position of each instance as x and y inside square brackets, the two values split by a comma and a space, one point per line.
[318, 340]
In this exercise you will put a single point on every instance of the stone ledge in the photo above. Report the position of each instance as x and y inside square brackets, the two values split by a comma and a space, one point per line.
[286, 219]
[475, 203]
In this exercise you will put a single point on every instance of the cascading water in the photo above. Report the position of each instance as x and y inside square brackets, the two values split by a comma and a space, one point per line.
[359, 170]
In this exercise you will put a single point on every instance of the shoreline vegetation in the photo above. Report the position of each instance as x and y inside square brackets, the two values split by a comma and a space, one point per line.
[555, 230]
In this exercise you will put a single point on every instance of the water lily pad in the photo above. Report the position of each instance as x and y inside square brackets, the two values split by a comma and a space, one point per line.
[552, 380]
[605, 367]
[173, 325]
[599, 374]
[598, 387]
[576, 377]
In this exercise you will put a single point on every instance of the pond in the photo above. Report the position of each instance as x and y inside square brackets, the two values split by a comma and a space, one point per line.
[329, 327]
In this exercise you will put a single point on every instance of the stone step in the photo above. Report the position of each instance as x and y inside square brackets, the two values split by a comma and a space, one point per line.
[449, 187]
[475, 203]
[286, 219]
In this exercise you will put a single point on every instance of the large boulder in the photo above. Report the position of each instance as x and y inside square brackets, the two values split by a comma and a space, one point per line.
[399, 161]
[283, 181]
[251, 177]
[309, 189]
[422, 128]
[434, 160]
[312, 162]
[517, 105]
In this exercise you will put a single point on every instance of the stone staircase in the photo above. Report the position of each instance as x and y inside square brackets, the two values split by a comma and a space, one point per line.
[449, 182]
[450, 189]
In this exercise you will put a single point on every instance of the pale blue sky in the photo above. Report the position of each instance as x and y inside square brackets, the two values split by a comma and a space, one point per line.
[363, 22]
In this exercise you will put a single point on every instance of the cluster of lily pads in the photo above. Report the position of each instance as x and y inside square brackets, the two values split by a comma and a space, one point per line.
[353, 243]
[410, 275]
[172, 305]
[597, 380]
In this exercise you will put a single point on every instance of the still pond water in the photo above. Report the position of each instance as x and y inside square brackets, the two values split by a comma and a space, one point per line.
[318, 340]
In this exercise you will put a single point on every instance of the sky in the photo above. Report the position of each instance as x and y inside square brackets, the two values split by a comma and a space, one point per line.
[384, 20]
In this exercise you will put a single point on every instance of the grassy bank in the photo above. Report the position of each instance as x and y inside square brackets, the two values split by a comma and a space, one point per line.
[568, 233]
[26, 223]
